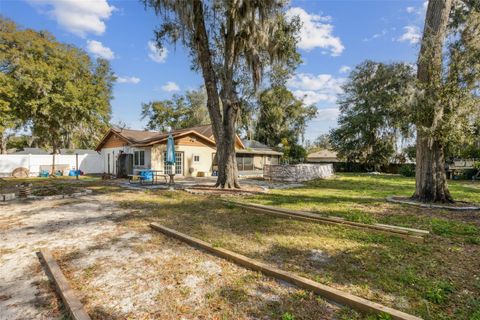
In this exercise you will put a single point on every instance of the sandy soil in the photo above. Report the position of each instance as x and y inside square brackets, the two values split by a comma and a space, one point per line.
[122, 272]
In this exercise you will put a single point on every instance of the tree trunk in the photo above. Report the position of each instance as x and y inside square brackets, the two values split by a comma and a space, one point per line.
[431, 181]
[223, 127]
[3, 143]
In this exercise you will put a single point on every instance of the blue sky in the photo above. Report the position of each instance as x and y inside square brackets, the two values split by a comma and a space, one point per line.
[336, 36]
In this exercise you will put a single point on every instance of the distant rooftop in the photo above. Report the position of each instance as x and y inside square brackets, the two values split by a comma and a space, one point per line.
[254, 144]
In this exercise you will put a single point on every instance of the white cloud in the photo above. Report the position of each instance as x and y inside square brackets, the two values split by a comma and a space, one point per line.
[133, 80]
[410, 9]
[310, 97]
[170, 87]
[316, 32]
[307, 81]
[327, 114]
[99, 50]
[420, 10]
[313, 89]
[77, 16]
[344, 69]
[411, 34]
[376, 35]
[156, 54]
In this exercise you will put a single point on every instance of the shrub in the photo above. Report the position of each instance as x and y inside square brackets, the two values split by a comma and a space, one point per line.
[407, 170]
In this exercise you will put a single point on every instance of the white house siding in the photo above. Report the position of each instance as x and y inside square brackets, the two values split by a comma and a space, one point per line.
[110, 156]
[190, 167]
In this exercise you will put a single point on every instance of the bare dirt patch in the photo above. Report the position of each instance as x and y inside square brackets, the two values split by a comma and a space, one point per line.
[122, 271]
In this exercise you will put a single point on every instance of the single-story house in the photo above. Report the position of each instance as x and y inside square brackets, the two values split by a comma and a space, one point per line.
[323, 155]
[195, 151]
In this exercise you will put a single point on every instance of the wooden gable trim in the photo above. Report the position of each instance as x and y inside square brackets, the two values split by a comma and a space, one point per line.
[107, 137]
[194, 140]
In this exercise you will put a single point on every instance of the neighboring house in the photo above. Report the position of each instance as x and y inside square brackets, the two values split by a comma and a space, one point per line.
[323, 155]
[195, 151]
[255, 155]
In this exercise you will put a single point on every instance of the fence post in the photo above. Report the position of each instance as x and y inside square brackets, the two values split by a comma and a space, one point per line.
[76, 165]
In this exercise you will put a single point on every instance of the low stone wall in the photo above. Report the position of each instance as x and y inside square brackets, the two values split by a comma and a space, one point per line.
[297, 172]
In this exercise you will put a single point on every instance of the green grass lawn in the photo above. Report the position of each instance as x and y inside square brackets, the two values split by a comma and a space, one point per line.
[438, 279]
[361, 198]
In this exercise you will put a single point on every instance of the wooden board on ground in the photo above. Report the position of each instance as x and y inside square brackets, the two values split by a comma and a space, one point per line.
[413, 235]
[66, 293]
[327, 292]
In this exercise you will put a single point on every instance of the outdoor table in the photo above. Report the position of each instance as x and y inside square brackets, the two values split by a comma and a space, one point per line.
[155, 175]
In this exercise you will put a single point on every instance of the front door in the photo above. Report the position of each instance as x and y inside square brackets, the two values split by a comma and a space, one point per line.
[178, 163]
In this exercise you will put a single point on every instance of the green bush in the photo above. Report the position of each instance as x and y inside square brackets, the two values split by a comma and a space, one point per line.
[407, 170]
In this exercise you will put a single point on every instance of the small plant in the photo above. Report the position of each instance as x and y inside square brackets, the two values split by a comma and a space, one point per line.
[229, 205]
[439, 292]
[475, 315]
[218, 244]
[384, 316]
[288, 316]
[381, 316]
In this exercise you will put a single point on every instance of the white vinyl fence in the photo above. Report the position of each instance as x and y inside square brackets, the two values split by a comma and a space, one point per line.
[88, 163]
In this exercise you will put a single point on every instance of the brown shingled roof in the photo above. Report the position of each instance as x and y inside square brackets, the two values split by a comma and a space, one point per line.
[143, 138]
[135, 135]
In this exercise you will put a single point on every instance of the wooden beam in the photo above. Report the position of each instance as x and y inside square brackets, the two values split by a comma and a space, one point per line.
[413, 235]
[327, 292]
[63, 289]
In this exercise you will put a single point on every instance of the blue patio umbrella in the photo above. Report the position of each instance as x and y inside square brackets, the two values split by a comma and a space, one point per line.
[171, 157]
[170, 150]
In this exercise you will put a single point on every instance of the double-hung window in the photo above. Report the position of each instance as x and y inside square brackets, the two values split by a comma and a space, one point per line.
[139, 158]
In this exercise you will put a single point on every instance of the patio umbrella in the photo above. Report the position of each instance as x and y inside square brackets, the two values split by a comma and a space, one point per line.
[171, 156]
[170, 150]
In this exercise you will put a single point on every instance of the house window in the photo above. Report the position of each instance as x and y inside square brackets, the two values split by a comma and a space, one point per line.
[196, 158]
[139, 158]
[245, 162]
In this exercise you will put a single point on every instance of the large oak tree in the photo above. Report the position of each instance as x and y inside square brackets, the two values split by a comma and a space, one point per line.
[374, 113]
[54, 89]
[448, 90]
[228, 41]
[431, 180]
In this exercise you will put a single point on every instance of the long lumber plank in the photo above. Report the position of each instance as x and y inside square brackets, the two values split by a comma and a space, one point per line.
[66, 293]
[386, 227]
[327, 292]
[311, 217]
